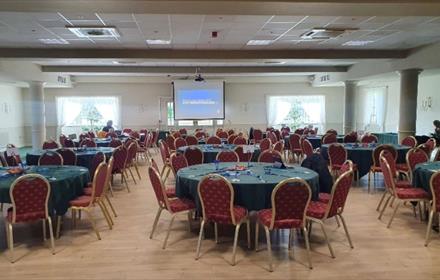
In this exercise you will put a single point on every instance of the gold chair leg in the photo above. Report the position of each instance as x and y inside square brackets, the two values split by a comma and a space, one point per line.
[337, 221]
[248, 231]
[124, 180]
[168, 232]
[11, 241]
[58, 226]
[216, 233]
[106, 216]
[44, 229]
[394, 214]
[346, 231]
[269, 248]
[199, 242]
[384, 207]
[111, 205]
[234, 247]
[381, 200]
[110, 187]
[159, 211]
[289, 245]
[52, 241]
[257, 227]
[132, 175]
[137, 171]
[306, 239]
[326, 239]
[92, 221]
[429, 228]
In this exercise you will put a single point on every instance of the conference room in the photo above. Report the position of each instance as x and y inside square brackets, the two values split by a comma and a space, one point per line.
[219, 139]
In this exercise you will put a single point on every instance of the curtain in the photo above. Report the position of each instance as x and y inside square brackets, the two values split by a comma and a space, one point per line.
[374, 106]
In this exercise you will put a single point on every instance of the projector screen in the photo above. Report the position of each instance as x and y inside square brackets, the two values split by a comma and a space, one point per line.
[199, 100]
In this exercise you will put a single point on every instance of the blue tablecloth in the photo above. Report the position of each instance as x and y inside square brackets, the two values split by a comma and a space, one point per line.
[314, 140]
[387, 138]
[422, 174]
[363, 155]
[252, 188]
[210, 151]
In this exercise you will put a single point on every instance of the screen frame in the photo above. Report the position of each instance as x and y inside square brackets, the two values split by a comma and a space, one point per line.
[199, 119]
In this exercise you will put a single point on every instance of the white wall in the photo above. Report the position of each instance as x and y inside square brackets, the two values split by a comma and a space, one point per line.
[11, 116]
[429, 85]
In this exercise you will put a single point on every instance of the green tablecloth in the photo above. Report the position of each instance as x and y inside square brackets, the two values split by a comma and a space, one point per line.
[422, 174]
[210, 151]
[67, 182]
[252, 189]
[83, 157]
[314, 140]
[363, 155]
[387, 138]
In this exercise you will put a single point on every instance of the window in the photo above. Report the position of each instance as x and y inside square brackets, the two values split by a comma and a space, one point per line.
[205, 122]
[371, 108]
[78, 114]
[296, 111]
[170, 114]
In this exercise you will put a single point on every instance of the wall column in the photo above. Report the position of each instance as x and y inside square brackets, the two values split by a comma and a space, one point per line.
[38, 121]
[409, 79]
[349, 106]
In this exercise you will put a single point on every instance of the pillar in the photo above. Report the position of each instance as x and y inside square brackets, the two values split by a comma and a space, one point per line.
[349, 106]
[409, 80]
[38, 122]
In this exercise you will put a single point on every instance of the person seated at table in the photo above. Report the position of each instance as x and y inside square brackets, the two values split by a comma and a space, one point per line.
[437, 128]
[109, 127]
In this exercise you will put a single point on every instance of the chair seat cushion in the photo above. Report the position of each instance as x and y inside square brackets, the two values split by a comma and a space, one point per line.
[170, 192]
[239, 213]
[316, 209]
[403, 184]
[87, 191]
[296, 150]
[26, 217]
[265, 218]
[81, 201]
[324, 197]
[412, 193]
[181, 204]
[402, 167]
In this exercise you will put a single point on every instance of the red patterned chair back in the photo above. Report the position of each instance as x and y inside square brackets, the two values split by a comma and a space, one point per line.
[69, 156]
[307, 147]
[129, 141]
[347, 166]
[329, 138]
[414, 157]
[170, 142]
[258, 135]
[83, 136]
[279, 146]
[62, 138]
[180, 142]
[183, 131]
[388, 176]
[214, 140]
[135, 134]
[431, 143]
[231, 131]
[222, 135]
[91, 134]
[227, 156]
[127, 130]
[240, 140]
[425, 147]
[99, 181]
[299, 131]
[176, 134]
[290, 199]
[13, 160]
[379, 149]
[50, 144]
[131, 153]
[29, 197]
[217, 198]
[295, 142]
[390, 159]
[97, 159]
[50, 158]
[434, 183]
[369, 138]
[243, 157]
[278, 134]
[115, 142]
[350, 138]
[231, 138]
[88, 143]
[409, 141]
[339, 194]
[164, 151]
[158, 187]
[200, 134]
[193, 155]
[337, 154]
[273, 138]
[153, 164]
[191, 140]
[68, 143]
[265, 144]
[156, 135]
[270, 156]
[331, 131]
[120, 159]
[178, 161]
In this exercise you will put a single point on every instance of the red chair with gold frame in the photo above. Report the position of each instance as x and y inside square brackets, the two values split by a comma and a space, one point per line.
[432, 143]
[173, 206]
[332, 131]
[227, 156]
[231, 131]
[194, 155]
[169, 190]
[97, 159]
[50, 158]
[191, 140]
[434, 184]
[68, 143]
[409, 141]
[178, 161]
[170, 142]
[29, 196]
[231, 138]
[131, 161]
[273, 138]
[214, 140]
[11, 160]
[350, 138]
[295, 147]
[89, 143]
[165, 154]
[375, 167]
[50, 144]
[307, 148]
[369, 138]
[243, 157]
[337, 155]
[183, 131]
[180, 142]
[62, 138]
[270, 156]
[290, 199]
[200, 134]
[257, 136]
[119, 165]
[216, 196]
[240, 140]
[265, 144]
[329, 138]
[413, 157]
[68, 155]
[325, 197]
[279, 146]
[222, 135]
[114, 143]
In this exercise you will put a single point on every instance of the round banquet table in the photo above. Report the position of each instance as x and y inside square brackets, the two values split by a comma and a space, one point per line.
[102, 142]
[362, 155]
[203, 141]
[314, 140]
[252, 187]
[67, 182]
[210, 151]
[83, 156]
[422, 174]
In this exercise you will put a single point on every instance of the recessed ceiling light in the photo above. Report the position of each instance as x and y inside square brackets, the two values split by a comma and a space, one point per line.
[124, 62]
[54, 41]
[94, 31]
[357, 43]
[275, 62]
[158, 42]
[259, 42]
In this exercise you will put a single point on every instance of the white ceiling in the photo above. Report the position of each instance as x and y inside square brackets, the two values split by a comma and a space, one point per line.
[194, 31]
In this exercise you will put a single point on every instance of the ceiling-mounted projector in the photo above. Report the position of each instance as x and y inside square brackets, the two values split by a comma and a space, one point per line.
[199, 78]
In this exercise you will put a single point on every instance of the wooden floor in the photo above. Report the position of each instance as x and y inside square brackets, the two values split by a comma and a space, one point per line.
[126, 252]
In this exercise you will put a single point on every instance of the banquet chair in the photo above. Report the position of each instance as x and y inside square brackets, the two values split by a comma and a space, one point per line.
[214, 140]
[222, 135]
[50, 158]
[97, 159]
[68, 143]
[278, 134]
[11, 160]
[165, 156]
[265, 144]
[329, 138]
[325, 197]
[155, 142]
[434, 184]
[177, 161]
[170, 142]
[88, 202]
[295, 147]
[337, 155]
[200, 134]
[307, 148]
[279, 146]
[112, 134]
[135, 135]
[270, 156]
[170, 191]
[91, 134]
[127, 130]
[191, 140]
[50, 144]
[273, 138]
[410, 141]
[243, 157]
[231, 138]
[231, 131]
[414, 195]
[331, 131]
[69, 156]
[369, 138]
[183, 131]
[426, 148]
[290, 199]
[350, 138]
[173, 206]
[142, 148]
[216, 196]
[240, 140]
[431, 143]
[62, 138]
[3, 161]
[375, 167]
[319, 212]
[119, 164]
[129, 141]
[180, 142]
[131, 161]
[88, 143]
[413, 157]
[193, 155]
[114, 143]
[257, 136]
[29, 196]
[227, 156]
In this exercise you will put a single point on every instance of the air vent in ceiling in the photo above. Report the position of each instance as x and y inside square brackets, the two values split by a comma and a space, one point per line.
[94, 31]
[323, 33]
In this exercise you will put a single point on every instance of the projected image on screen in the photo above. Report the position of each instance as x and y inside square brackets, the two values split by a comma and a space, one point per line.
[198, 100]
